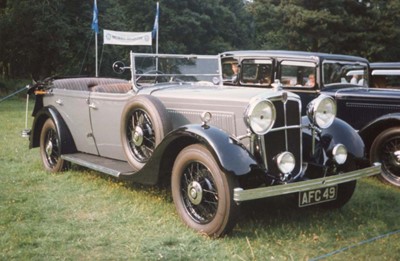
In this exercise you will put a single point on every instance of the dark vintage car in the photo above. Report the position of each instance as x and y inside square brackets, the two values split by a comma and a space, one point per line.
[385, 75]
[217, 145]
[375, 113]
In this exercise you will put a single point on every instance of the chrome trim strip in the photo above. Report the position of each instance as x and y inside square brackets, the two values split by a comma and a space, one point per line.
[286, 125]
[257, 193]
[264, 151]
[287, 128]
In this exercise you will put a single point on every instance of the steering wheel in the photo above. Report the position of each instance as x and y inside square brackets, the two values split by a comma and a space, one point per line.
[153, 78]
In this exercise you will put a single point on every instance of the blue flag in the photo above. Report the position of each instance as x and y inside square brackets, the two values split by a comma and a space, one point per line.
[155, 27]
[95, 22]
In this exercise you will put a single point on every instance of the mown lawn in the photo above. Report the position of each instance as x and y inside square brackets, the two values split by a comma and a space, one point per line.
[83, 215]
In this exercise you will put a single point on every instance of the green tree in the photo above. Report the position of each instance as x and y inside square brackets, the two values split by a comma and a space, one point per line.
[299, 24]
[48, 37]
[382, 39]
[369, 28]
[42, 36]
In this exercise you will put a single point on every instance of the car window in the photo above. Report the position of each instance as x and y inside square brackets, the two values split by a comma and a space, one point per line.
[230, 69]
[386, 78]
[297, 74]
[256, 72]
[344, 72]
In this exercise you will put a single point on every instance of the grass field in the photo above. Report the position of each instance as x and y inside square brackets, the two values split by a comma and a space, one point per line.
[83, 215]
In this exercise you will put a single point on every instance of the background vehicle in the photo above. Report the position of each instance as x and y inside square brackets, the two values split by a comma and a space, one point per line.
[218, 145]
[385, 75]
[375, 113]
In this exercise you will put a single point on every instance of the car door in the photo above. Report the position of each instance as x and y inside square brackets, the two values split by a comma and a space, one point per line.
[105, 114]
[73, 107]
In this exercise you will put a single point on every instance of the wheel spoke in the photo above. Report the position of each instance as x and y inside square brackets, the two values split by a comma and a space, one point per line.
[141, 126]
[202, 192]
[205, 210]
[390, 158]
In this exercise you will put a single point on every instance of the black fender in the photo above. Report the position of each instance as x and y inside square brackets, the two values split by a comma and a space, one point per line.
[340, 132]
[370, 131]
[67, 142]
[232, 157]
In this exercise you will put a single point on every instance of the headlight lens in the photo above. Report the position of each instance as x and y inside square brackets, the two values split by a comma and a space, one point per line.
[285, 162]
[260, 117]
[322, 111]
[339, 153]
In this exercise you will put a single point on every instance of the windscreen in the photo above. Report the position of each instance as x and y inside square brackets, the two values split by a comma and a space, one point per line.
[197, 69]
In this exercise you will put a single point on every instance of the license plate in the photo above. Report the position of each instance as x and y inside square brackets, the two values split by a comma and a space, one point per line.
[317, 196]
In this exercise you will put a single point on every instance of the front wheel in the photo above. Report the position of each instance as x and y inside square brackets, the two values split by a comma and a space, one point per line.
[50, 148]
[202, 193]
[345, 190]
[386, 150]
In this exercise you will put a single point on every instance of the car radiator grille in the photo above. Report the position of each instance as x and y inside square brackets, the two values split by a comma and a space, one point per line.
[285, 135]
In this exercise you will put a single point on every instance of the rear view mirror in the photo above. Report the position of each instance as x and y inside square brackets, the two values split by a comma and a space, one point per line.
[119, 67]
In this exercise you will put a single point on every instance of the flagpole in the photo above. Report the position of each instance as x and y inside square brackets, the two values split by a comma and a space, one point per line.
[95, 27]
[158, 27]
[155, 31]
[97, 55]
[96, 43]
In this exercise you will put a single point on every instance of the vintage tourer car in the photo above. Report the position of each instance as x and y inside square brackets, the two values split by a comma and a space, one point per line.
[385, 75]
[374, 112]
[218, 146]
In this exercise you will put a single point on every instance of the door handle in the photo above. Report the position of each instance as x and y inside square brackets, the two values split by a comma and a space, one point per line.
[59, 102]
[92, 105]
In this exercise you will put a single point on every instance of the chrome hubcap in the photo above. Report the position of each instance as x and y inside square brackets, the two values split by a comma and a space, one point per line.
[195, 192]
[49, 147]
[396, 156]
[137, 136]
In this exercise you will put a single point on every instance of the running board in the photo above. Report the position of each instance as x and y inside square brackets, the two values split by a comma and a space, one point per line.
[108, 166]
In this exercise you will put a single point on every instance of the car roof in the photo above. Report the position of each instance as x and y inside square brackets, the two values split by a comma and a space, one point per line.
[293, 54]
[385, 65]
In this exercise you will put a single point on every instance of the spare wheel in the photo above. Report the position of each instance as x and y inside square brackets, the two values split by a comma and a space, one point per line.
[144, 124]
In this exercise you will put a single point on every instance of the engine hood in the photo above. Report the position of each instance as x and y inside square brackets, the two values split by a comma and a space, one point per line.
[219, 94]
[368, 93]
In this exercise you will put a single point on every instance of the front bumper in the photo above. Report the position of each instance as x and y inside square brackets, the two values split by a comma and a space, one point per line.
[241, 195]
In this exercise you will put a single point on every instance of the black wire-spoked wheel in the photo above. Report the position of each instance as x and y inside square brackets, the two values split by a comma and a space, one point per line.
[386, 150]
[141, 135]
[202, 193]
[50, 148]
[199, 193]
[144, 124]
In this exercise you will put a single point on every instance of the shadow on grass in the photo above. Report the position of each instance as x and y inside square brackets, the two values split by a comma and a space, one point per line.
[371, 211]
[369, 205]
[163, 188]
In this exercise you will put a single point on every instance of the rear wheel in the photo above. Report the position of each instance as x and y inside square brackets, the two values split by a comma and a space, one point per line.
[202, 193]
[50, 148]
[386, 150]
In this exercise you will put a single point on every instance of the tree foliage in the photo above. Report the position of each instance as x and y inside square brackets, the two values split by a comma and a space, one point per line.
[357, 27]
[49, 37]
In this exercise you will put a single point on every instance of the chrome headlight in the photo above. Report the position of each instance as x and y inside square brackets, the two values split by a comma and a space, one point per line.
[339, 154]
[322, 111]
[285, 162]
[260, 116]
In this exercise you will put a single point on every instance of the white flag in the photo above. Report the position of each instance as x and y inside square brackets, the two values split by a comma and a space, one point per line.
[127, 38]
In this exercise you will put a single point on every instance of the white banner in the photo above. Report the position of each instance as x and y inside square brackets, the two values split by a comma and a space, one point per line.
[127, 38]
